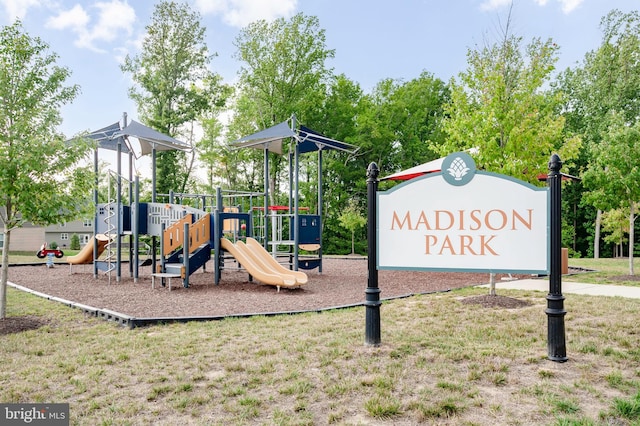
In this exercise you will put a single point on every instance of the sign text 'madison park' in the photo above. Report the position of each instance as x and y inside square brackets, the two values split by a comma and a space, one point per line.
[483, 224]
[461, 219]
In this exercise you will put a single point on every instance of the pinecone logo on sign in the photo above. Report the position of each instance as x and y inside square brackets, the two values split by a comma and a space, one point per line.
[458, 168]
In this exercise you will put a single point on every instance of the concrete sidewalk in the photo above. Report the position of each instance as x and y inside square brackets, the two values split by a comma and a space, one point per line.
[542, 284]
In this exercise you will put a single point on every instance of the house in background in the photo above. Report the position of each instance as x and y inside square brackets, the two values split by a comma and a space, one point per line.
[61, 234]
[27, 238]
[30, 237]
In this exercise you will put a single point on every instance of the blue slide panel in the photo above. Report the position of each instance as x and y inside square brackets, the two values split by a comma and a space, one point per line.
[309, 229]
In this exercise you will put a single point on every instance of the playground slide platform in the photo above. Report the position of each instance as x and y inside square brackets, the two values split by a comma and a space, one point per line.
[85, 255]
[256, 247]
[258, 270]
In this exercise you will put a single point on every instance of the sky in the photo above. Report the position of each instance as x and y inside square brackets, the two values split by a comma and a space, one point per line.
[373, 39]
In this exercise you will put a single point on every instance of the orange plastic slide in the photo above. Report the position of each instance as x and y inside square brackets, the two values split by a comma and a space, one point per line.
[256, 267]
[258, 249]
[86, 254]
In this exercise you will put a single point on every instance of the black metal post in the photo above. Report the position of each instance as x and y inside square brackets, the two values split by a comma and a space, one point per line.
[555, 300]
[372, 293]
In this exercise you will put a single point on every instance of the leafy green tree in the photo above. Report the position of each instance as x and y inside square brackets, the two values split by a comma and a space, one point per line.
[174, 84]
[227, 167]
[615, 224]
[606, 85]
[500, 106]
[414, 113]
[352, 220]
[283, 72]
[392, 126]
[614, 173]
[337, 118]
[39, 180]
[74, 244]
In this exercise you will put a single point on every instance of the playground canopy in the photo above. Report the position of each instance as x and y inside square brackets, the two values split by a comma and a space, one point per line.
[148, 138]
[269, 139]
[307, 140]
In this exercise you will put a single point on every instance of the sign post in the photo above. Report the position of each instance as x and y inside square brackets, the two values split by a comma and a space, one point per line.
[555, 300]
[372, 293]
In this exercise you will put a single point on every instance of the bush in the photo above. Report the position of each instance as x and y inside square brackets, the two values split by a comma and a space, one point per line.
[75, 242]
[53, 245]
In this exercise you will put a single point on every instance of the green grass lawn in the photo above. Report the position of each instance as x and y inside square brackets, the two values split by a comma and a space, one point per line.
[604, 271]
[440, 362]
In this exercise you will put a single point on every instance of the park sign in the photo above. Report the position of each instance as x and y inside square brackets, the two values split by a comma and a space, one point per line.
[463, 219]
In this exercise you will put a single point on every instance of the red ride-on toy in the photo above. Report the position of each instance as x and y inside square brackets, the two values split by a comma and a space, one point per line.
[44, 251]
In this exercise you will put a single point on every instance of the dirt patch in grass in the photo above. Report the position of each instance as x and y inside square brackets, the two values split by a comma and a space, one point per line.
[496, 301]
[19, 324]
[625, 278]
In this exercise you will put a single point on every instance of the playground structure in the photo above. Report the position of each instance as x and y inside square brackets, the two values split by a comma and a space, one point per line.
[188, 228]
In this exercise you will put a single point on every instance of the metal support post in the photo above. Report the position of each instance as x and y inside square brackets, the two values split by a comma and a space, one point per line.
[555, 311]
[372, 293]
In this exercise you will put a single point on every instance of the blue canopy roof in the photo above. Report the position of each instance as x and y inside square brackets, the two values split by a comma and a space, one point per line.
[311, 140]
[308, 140]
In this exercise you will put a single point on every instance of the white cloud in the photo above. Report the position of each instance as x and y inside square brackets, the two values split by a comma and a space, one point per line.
[568, 6]
[17, 9]
[239, 13]
[75, 19]
[494, 4]
[113, 18]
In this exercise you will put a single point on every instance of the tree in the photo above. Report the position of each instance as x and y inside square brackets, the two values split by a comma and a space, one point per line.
[614, 172]
[616, 224]
[39, 180]
[174, 85]
[337, 118]
[501, 107]
[283, 72]
[351, 219]
[414, 113]
[606, 86]
[74, 244]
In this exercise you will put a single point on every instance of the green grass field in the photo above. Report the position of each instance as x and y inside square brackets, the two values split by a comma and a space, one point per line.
[604, 271]
[440, 362]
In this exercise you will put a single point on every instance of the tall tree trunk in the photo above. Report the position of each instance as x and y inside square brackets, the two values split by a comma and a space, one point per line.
[353, 242]
[632, 219]
[5, 272]
[190, 161]
[272, 191]
[596, 239]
